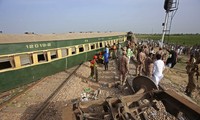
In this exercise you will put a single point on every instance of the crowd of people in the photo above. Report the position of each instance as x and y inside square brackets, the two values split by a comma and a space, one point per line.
[149, 59]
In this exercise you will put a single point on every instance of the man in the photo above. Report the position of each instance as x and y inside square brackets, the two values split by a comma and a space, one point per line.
[114, 49]
[129, 53]
[106, 59]
[141, 59]
[123, 68]
[93, 66]
[107, 49]
[149, 65]
[119, 51]
[158, 69]
[160, 51]
[191, 68]
[171, 61]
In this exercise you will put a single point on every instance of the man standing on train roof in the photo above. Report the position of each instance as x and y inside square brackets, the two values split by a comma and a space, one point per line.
[158, 69]
[106, 59]
[93, 66]
[123, 68]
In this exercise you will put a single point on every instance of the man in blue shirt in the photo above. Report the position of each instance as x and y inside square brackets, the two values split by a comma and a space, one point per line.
[106, 59]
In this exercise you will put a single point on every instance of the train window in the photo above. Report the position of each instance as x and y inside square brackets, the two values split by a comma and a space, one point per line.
[111, 42]
[97, 45]
[6, 62]
[92, 46]
[101, 45]
[64, 52]
[105, 43]
[42, 57]
[25, 59]
[108, 42]
[87, 47]
[53, 54]
[81, 49]
[73, 50]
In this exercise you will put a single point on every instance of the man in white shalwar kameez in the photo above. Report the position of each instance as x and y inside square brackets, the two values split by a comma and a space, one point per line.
[158, 69]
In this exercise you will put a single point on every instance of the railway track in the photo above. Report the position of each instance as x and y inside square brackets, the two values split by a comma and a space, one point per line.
[28, 103]
[48, 101]
[38, 107]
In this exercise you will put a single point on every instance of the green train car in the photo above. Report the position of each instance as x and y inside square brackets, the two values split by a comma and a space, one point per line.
[29, 57]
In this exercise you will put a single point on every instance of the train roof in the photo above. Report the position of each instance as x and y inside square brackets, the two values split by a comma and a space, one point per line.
[18, 38]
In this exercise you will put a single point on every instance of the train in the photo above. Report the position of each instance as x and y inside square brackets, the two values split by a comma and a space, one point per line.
[26, 58]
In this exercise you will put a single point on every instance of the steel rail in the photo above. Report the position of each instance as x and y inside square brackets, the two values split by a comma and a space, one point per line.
[37, 115]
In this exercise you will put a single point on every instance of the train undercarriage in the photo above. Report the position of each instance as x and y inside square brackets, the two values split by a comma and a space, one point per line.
[133, 107]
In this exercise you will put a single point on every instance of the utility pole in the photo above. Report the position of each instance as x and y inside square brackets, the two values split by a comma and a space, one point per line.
[170, 6]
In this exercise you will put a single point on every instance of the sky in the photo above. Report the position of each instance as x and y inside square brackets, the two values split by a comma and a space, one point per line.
[61, 16]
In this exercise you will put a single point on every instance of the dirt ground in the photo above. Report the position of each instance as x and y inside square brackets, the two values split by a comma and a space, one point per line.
[176, 78]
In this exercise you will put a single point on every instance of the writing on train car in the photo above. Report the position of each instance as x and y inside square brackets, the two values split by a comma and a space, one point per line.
[6, 62]
[31, 46]
[86, 40]
[100, 38]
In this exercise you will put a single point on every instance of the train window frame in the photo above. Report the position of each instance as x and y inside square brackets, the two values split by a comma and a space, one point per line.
[81, 48]
[28, 57]
[44, 56]
[8, 62]
[73, 50]
[105, 43]
[100, 44]
[53, 54]
[64, 52]
[92, 46]
[110, 42]
[87, 47]
[97, 45]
